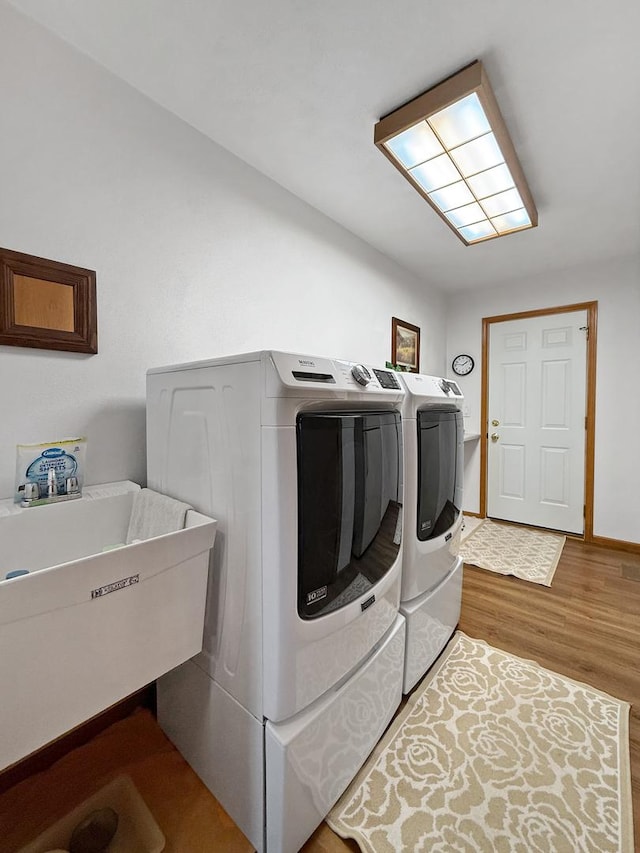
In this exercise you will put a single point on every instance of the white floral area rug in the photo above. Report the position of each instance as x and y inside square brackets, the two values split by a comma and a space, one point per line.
[494, 753]
[531, 555]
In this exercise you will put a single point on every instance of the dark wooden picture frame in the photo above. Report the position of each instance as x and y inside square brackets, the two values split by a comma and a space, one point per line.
[47, 304]
[405, 345]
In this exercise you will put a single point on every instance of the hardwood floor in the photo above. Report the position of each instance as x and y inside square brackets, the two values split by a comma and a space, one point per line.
[586, 626]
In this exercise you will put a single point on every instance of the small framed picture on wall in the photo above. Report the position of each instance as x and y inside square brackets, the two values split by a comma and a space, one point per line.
[47, 304]
[405, 345]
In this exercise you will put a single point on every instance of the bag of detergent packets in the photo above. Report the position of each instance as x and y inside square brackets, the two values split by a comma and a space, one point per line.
[34, 461]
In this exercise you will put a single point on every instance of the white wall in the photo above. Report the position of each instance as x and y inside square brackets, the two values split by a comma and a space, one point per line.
[196, 254]
[616, 286]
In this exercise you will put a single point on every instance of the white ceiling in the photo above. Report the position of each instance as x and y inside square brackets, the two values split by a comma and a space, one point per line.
[294, 87]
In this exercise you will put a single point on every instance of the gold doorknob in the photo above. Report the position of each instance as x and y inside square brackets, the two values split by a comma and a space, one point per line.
[495, 423]
[494, 436]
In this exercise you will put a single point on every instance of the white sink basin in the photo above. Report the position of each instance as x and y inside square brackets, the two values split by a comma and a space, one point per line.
[85, 628]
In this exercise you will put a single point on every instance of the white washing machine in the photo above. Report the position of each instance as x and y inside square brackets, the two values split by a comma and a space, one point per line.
[300, 461]
[433, 429]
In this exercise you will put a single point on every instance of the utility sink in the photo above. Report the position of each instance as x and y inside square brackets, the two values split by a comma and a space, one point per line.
[87, 627]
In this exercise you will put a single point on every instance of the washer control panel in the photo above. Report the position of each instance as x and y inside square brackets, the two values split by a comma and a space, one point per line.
[337, 376]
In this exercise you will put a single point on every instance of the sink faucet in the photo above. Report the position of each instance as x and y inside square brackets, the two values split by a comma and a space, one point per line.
[53, 495]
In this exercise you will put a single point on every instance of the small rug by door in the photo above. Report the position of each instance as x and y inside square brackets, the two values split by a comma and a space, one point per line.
[495, 753]
[531, 555]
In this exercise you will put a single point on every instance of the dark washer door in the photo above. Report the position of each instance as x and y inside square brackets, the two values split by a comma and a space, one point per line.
[349, 502]
[440, 461]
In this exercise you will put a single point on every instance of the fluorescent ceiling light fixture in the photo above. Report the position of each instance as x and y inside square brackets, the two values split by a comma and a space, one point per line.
[452, 145]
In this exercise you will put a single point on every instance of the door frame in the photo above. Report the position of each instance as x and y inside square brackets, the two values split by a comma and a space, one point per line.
[589, 461]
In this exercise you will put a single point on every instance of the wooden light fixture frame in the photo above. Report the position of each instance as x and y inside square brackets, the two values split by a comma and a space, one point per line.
[470, 79]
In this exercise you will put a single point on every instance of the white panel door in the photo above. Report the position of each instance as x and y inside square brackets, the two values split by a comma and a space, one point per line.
[536, 420]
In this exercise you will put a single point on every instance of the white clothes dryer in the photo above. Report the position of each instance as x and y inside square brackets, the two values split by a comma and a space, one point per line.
[300, 460]
[431, 595]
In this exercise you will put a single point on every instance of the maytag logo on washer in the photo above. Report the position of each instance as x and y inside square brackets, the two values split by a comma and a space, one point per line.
[369, 601]
[306, 362]
[317, 594]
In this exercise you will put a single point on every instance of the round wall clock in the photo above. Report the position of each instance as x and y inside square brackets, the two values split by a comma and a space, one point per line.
[462, 364]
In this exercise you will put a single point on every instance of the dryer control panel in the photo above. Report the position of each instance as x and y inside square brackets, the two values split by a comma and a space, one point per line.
[421, 385]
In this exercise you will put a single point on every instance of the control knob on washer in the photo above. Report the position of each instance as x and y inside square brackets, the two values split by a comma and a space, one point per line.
[361, 374]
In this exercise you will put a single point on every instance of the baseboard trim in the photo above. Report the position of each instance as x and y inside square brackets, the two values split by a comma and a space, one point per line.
[600, 541]
[615, 544]
[54, 751]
